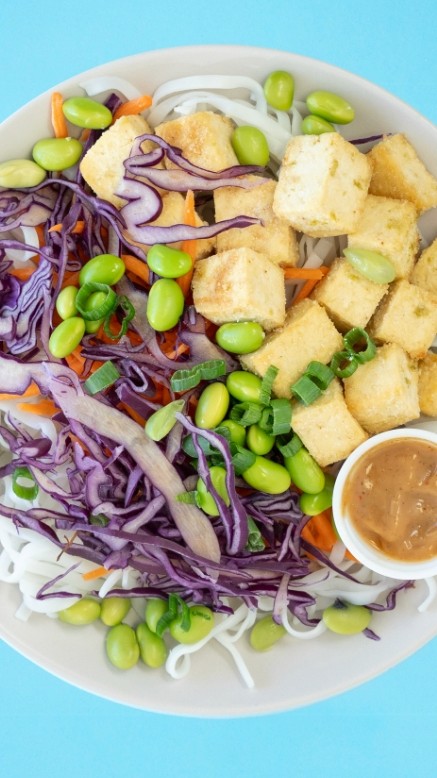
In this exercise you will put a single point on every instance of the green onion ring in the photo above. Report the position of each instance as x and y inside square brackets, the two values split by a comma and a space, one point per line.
[103, 310]
[25, 492]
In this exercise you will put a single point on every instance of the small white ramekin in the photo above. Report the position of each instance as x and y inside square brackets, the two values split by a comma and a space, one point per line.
[363, 551]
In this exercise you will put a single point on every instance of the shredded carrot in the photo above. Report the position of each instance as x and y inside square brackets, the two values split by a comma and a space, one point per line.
[132, 107]
[22, 273]
[137, 267]
[133, 414]
[31, 391]
[58, 119]
[76, 361]
[305, 291]
[98, 572]
[320, 532]
[314, 273]
[77, 229]
[190, 246]
[41, 408]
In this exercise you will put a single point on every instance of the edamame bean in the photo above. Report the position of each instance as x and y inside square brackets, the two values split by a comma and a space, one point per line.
[66, 302]
[212, 406]
[114, 609]
[95, 300]
[267, 476]
[330, 106]
[87, 113]
[237, 431]
[84, 611]
[165, 304]
[153, 650]
[241, 337]
[313, 504]
[57, 153]
[21, 173]
[279, 90]
[66, 336]
[201, 624]
[371, 265]
[159, 424]
[265, 633]
[250, 146]
[305, 473]
[122, 647]
[205, 500]
[315, 125]
[168, 262]
[258, 440]
[244, 386]
[102, 269]
[346, 619]
[155, 608]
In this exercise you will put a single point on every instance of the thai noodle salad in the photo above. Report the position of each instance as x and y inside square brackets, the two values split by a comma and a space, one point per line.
[178, 384]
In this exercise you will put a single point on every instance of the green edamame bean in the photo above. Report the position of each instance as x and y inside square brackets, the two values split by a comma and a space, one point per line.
[204, 499]
[201, 624]
[237, 431]
[165, 304]
[87, 113]
[258, 440]
[114, 609]
[371, 265]
[330, 106]
[279, 90]
[66, 302]
[102, 269]
[250, 146]
[346, 619]
[153, 650]
[212, 406]
[244, 386]
[84, 611]
[21, 173]
[315, 125]
[241, 337]
[155, 608]
[313, 504]
[95, 300]
[159, 424]
[57, 153]
[66, 336]
[265, 633]
[122, 647]
[267, 476]
[305, 473]
[168, 262]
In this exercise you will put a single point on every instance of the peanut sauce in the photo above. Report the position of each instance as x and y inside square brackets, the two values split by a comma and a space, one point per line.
[391, 498]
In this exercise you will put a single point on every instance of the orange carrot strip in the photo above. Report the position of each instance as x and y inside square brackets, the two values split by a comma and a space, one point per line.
[320, 532]
[305, 272]
[133, 414]
[137, 267]
[71, 279]
[58, 119]
[190, 246]
[77, 229]
[98, 572]
[42, 408]
[305, 291]
[22, 273]
[31, 391]
[132, 107]
[76, 361]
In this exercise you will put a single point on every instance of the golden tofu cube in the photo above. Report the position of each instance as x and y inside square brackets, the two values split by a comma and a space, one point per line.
[407, 316]
[203, 137]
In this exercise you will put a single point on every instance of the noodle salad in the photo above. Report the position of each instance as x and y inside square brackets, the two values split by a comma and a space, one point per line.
[151, 475]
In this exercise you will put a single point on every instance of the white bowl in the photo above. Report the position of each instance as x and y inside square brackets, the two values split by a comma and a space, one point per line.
[295, 672]
[362, 550]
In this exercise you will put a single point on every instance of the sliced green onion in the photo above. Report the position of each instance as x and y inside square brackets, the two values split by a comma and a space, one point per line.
[104, 377]
[24, 491]
[288, 448]
[343, 364]
[101, 311]
[182, 380]
[276, 419]
[360, 344]
[99, 520]
[320, 374]
[188, 498]
[242, 458]
[265, 392]
[246, 413]
[255, 540]
[175, 605]
[159, 424]
[189, 448]
[306, 390]
[129, 313]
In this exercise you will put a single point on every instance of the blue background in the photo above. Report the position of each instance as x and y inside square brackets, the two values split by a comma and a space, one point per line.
[386, 727]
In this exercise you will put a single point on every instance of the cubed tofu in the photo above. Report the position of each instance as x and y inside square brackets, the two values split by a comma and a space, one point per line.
[389, 227]
[407, 316]
[428, 384]
[102, 166]
[383, 394]
[398, 172]
[348, 297]
[308, 334]
[173, 207]
[327, 428]
[323, 183]
[204, 138]
[274, 237]
[239, 285]
[425, 270]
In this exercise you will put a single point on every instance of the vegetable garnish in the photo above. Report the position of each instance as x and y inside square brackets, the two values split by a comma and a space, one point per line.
[24, 490]
[182, 380]
[60, 128]
[103, 378]
[132, 107]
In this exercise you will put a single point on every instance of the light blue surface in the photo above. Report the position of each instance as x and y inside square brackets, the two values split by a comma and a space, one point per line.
[384, 728]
